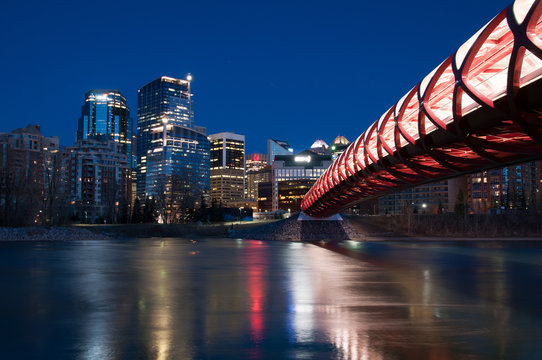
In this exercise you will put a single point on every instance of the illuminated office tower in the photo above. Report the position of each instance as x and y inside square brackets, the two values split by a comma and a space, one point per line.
[255, 162]
[254, 165]
[105, 113]
[172, 153]
[227, 168]
[293, 176]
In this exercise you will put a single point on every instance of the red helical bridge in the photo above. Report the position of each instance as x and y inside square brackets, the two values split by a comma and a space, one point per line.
[480, 109]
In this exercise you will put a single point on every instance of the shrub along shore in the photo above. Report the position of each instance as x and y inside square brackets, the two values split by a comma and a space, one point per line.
[449, 226]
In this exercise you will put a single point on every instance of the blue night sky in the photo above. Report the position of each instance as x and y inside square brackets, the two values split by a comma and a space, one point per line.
[292, 70]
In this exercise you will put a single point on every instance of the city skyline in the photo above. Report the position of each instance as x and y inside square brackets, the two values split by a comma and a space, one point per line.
[271, 180]
[263, 64]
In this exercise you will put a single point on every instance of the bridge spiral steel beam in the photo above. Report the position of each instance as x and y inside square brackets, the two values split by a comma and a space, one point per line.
[480, 109]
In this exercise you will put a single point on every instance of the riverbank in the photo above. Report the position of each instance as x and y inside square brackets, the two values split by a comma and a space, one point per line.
[174, 230]
[106, 231]
[424, 228]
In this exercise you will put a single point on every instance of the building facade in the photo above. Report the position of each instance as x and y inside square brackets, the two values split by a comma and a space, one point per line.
[255, 162]
[292, 177]
[26, 174]
[254, 178]
[95, 175]
[227, 168]
[514, 187]
[105, 112]
[277, 147]
[432, 198]
[173, 155]
[265, 196]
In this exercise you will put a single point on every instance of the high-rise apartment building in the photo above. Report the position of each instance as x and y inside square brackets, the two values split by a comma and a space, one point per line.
[277, 147]
[105, 113]
[227, 167]
[26, 173]
[172, 154]
[95, 175]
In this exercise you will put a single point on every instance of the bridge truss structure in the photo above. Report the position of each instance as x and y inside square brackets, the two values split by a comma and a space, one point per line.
[480, 109]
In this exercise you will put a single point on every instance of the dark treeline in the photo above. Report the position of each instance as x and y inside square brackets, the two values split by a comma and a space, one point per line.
[25, 202]
[154, 211]
[33, 197]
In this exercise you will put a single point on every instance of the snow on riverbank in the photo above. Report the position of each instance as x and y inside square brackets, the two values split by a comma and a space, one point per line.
[39, 233]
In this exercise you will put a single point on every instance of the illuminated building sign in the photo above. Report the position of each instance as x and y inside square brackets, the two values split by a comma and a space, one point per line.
[301, 158]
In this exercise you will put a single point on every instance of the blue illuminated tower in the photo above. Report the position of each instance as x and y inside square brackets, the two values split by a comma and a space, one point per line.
[105, 113]
[173, 155]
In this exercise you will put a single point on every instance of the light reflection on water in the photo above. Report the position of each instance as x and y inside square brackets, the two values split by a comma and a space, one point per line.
[233, 299]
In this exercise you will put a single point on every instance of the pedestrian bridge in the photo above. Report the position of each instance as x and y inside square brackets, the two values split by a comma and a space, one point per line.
[480, 109]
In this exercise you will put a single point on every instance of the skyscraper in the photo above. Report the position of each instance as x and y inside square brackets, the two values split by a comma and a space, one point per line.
[293, 176]
[254, 164]
[105, 113]
[227, 167]
[172, 153]
[277, 147]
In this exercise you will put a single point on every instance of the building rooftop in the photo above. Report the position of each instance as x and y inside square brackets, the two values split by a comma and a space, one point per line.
[340, 140]
[318, 144]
